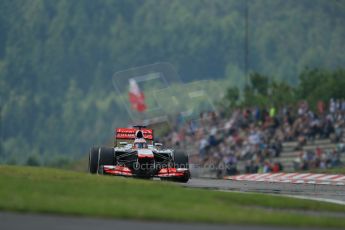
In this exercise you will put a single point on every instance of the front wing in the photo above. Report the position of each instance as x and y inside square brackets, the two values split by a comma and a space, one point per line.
[117, 170]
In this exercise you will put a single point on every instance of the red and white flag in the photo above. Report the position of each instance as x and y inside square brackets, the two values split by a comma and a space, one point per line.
[136, 97]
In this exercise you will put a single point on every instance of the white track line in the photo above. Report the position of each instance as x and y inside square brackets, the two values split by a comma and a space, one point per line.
[317, 199]
[296, 196]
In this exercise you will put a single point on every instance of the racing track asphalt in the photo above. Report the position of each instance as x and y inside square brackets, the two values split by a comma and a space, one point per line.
[17, 221]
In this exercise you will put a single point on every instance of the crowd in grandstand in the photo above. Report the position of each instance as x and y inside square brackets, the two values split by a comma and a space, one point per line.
[255, 136]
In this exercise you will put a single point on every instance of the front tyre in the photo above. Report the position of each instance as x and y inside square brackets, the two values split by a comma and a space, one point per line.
[181, 160]
[106, 157]
[183, 179]
[93, 160]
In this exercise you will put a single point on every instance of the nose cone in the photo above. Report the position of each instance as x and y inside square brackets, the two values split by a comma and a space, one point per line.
[145, 153]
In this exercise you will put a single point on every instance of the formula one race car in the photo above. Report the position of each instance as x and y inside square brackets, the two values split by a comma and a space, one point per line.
[135, 155]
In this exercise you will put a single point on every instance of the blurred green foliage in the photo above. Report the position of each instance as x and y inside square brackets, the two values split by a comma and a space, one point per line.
[314, 85]
[57, 59]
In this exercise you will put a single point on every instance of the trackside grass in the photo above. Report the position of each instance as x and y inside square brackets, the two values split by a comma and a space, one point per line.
[44, 190]
[339, 170]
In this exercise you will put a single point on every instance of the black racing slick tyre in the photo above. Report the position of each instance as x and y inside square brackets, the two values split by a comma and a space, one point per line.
[93, 160]
[99, 157]
[181, 160]
[106, 157]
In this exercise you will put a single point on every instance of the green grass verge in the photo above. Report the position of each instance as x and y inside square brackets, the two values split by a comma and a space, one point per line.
[44, 190]
[338, 170]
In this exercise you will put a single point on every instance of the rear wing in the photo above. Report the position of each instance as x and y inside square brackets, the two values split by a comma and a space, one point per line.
[128, 135]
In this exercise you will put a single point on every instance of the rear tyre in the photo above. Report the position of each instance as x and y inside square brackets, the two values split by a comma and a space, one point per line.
[106, 157]
[93, 160]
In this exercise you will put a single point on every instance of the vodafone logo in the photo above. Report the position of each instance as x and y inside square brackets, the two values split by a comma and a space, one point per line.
[132, 131]
[129, 133]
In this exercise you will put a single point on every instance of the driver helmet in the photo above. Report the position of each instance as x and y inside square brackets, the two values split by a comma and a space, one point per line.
[140, 143]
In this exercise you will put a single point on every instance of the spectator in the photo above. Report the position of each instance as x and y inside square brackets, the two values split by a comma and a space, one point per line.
[202, 148]
[255, 135]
